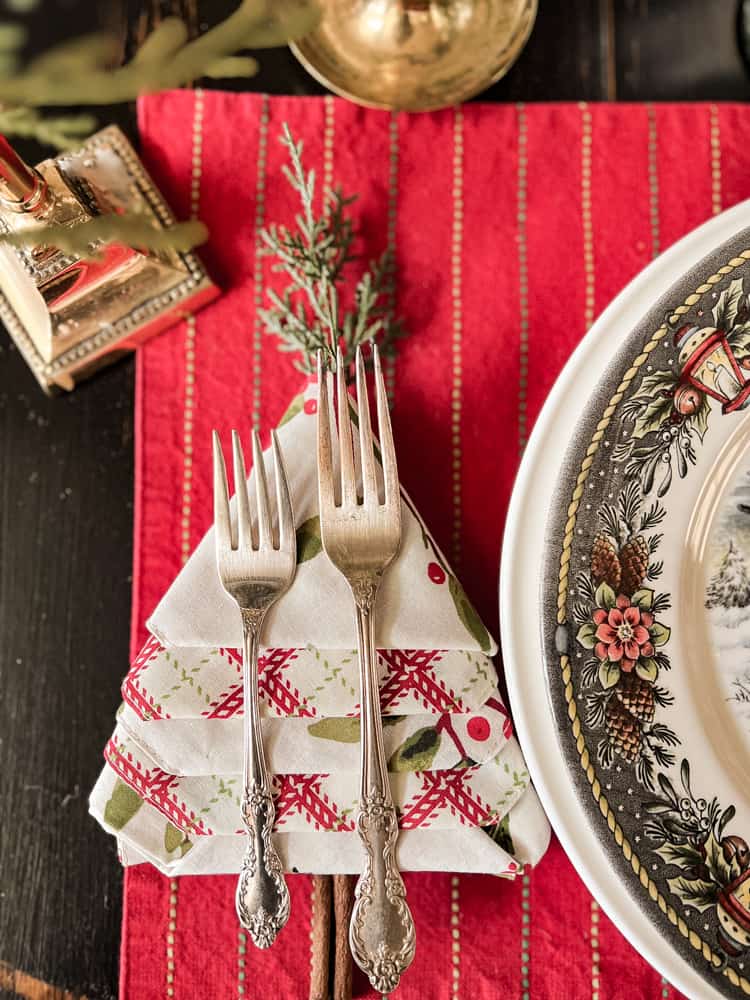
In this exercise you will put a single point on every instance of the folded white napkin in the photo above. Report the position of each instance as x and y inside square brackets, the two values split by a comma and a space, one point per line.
[145, 835]
[171, 787]
[461, 851]
[421, 604]
[185, 705]
[303, 745]
[209, 805]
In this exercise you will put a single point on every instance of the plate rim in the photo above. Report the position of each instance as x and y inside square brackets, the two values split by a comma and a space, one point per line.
[521, 596]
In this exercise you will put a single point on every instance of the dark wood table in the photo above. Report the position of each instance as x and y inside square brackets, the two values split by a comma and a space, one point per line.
[66, 507]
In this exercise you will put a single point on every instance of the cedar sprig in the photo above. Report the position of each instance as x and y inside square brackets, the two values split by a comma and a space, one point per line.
[309, 316]
[87, 239]
[61, 131]
[83, 72]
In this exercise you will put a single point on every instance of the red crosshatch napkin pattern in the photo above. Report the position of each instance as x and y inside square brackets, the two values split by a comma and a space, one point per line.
[512, 227]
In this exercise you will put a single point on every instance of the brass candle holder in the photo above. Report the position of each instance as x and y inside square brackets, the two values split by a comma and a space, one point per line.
[70, 315]
[415, 55]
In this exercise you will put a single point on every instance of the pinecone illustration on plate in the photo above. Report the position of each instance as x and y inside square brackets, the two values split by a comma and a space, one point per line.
[637, 697]
[634, 559]
[605, 562]
[624, 731]
[621, 551]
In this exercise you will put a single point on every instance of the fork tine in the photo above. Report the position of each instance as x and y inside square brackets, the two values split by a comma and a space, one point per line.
[221, 500]
[325, 464]
[385, 435]
[348, 482]
[244, 521]
[369, 475]
[265, 536]
[283, 500]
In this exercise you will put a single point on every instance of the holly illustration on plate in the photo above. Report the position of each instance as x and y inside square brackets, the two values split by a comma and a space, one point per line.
[712, 866]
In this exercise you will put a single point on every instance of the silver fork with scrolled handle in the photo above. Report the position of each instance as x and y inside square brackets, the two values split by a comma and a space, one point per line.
[361, 538]
[256, 566]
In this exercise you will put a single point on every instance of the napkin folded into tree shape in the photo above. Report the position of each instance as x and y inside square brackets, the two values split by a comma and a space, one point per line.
[171, 786]
[421, 604]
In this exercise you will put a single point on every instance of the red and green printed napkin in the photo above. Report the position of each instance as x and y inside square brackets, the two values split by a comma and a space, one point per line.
[511, 227]
[458, 778]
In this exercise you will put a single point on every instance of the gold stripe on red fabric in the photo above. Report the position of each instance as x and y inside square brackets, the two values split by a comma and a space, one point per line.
[259, 222]
[715, 139]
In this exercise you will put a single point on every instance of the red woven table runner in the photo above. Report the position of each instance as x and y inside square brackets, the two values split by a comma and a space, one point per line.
[512, 228]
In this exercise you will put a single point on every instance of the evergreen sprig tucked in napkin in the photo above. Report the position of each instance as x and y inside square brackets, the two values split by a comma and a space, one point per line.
[171, 786]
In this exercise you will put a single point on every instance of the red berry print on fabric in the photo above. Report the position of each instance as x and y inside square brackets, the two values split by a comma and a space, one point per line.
[478, 728]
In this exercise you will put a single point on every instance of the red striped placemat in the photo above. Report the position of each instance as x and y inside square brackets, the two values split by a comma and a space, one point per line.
[512, 226]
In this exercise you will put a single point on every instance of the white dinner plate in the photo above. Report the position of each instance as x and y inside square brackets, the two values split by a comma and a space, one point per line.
[626, 621]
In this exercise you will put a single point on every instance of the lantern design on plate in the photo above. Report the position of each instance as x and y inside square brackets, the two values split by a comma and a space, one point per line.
[708, 364]
[733, 911]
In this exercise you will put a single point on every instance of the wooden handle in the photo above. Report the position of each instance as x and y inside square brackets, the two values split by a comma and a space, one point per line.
[321, 937]
[343, 902]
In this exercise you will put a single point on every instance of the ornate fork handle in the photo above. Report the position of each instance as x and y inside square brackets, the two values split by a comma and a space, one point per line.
[381, 933]
[262, 894]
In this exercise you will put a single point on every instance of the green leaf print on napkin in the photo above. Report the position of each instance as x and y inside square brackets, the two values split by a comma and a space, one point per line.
[122, 805]
[293, 409]
[466, 612]
[308, 539]
[417, 752]
[341, 730]
[174, 839]
[500, 833]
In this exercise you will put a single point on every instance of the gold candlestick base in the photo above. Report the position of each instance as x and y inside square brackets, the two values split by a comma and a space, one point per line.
[71, 315]
[415, 55]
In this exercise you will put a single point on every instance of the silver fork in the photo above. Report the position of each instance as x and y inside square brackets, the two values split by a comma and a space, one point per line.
[255, 569]
[361, 538]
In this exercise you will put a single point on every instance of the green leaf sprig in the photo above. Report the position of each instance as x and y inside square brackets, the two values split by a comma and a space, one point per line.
[61, 131]
[84, 72]
[80, 72]
[309, 316]
[86, 238]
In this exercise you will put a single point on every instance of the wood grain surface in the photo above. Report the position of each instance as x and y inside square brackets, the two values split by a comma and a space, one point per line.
[66, 500]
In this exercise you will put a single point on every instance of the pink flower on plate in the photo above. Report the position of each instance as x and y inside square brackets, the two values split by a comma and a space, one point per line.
[622, 633]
